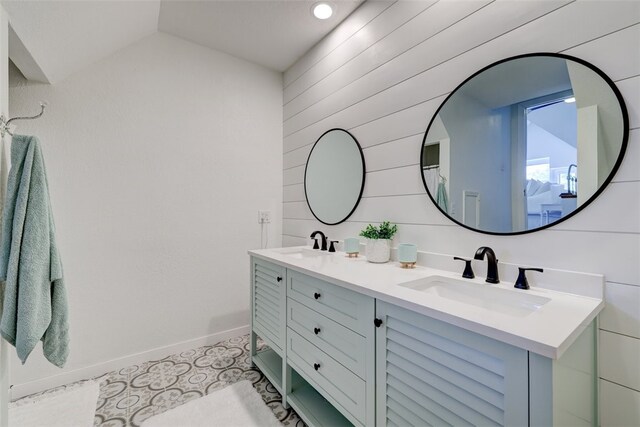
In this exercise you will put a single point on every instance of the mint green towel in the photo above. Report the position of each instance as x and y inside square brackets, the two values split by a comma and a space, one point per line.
[35, 298]
[441, 197]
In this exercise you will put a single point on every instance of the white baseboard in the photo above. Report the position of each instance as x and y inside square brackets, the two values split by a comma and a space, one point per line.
[20, 390]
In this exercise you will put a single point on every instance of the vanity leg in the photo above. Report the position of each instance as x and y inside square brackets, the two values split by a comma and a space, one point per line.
[253, 342]
[286, 383]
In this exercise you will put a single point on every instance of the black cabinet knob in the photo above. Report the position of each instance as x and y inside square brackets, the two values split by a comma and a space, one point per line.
[316, 366]
[316, 331]
[279, 279]
[316, 295]
[377, 322]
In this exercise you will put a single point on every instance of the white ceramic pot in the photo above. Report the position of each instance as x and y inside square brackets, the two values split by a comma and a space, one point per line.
[378, 250]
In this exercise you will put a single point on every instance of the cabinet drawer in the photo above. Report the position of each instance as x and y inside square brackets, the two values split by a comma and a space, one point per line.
[327, 375]
[268, 303]
[339, 342]
[353, 310]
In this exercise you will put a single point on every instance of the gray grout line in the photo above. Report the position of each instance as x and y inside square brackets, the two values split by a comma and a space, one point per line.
[410, 165]
[436, 65]
[618, 384]
[293, 167]
[591, 40]
[376, 119]
[627, 78]
[368, 146]
[377, 66]
[613, 181]
[332, 50]
[565, 230]
[384, 63]
[600, 37]
[351, 128]
[553, 230]
[393, 140]
[619, 333]
[622, 283]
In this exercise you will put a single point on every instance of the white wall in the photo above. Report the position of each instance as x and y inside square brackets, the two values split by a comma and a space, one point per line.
[158, 159]
[384, 81]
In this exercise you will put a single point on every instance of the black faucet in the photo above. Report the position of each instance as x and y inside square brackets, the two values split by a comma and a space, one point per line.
[492, 263]
[324, 240]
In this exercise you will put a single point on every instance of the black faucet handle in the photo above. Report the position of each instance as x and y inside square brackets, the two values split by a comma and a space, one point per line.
[315, 243]
[331, 246]
[468, 271]
[521, 281]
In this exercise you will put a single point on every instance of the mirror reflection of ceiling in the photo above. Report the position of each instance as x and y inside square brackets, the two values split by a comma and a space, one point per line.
[537, 77]
[553, 120]
[523, 144]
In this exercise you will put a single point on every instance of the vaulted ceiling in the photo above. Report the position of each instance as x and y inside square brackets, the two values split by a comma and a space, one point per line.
[52, 39]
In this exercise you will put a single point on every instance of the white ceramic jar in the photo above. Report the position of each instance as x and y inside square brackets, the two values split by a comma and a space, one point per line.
[378, 250]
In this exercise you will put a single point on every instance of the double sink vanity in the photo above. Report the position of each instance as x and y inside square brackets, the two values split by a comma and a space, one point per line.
[355, 343]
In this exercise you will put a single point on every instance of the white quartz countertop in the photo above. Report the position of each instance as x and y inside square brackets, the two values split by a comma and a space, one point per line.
[548, 331]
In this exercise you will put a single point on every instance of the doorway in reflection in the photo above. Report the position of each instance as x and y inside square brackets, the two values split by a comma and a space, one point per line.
[551, 157]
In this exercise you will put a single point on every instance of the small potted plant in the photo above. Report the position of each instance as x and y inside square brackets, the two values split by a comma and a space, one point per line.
[378, 247]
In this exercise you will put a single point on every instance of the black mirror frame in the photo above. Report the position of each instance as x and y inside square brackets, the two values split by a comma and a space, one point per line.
[607, 181]
[364, 173]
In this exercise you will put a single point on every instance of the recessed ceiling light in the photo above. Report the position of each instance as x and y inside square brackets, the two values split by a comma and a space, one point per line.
[570, 100]
[322, 10]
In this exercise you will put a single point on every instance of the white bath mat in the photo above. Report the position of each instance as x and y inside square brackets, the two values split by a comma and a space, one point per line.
[74, 406]
[236, 405]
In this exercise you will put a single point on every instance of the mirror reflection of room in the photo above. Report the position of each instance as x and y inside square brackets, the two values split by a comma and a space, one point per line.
[505, 150]
[552, 154]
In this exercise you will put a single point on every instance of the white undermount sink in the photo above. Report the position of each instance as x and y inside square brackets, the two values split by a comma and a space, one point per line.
[506, 301]
[301, 253]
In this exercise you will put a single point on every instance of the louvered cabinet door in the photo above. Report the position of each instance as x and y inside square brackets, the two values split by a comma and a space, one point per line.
[268, 303]
[430, 373]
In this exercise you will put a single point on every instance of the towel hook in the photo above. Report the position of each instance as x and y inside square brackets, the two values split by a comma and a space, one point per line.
[4, 123]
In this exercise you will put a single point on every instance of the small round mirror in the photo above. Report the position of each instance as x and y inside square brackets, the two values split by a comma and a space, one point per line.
[334, 176]
[524, 143]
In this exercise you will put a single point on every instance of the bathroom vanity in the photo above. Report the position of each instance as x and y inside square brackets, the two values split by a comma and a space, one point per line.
[350, 342]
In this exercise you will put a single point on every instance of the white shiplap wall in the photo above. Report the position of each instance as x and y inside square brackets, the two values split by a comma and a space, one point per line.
[382, 74]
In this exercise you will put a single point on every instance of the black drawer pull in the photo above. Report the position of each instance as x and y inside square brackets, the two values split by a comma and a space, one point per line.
[316, 331]
[316, 366]
[377, 322]
[316, 295]
[279, 279]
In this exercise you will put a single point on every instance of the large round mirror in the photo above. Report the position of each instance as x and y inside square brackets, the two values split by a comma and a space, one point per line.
[524, 143]
[334, 176]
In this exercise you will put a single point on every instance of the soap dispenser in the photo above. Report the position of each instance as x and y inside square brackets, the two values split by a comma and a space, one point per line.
[521, 281]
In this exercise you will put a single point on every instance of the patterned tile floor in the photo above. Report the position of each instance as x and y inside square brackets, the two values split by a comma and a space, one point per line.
[135, 393]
